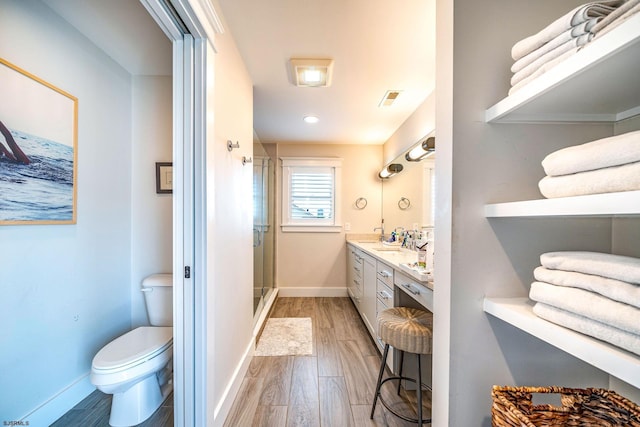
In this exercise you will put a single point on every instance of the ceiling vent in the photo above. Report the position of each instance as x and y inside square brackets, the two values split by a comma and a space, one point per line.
[389, 98]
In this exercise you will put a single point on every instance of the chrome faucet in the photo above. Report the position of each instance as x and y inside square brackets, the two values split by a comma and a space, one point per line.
[381, 232]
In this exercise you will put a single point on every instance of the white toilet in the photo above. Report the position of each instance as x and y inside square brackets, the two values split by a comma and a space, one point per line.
[137, 366]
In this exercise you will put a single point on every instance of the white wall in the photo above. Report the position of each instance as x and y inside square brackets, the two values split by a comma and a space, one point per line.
[229, 226]
[151, 142]
[314, 264]
[479, 163]
[65, 290]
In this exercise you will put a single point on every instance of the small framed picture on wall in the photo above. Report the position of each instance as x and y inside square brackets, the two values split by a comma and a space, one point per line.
[164, 177]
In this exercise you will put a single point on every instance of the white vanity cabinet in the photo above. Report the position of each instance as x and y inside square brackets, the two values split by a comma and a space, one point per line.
[384, 300]
[354, 275]
[376, 281]
[361, 284]
[368, 307]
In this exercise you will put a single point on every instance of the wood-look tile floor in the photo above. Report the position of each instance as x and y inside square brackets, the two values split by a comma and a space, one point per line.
[332, 387]
[94, 411]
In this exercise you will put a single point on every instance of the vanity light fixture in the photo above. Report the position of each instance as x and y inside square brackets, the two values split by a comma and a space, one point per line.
[390, 170]
[311, 119]
[312, 72]
[422, 151]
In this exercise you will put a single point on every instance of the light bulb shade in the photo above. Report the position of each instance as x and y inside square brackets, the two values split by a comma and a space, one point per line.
[390, 170]
[422, 151]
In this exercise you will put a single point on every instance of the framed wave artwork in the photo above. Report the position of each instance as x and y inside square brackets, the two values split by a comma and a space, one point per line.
[38, 150]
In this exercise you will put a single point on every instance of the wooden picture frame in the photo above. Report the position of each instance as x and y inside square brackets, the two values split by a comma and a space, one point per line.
[38, 150]
[164, 177]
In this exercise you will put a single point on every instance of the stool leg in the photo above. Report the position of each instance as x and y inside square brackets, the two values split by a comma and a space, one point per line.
[400, 373]
[419, 385]
[382, 365]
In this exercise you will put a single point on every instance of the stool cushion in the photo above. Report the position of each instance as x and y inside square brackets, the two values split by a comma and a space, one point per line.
[407, 329]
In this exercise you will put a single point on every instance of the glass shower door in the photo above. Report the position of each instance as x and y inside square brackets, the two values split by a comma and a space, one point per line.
[263, 231]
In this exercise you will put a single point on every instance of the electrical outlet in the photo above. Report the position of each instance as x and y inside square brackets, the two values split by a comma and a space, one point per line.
[347, 226]
[415, 226]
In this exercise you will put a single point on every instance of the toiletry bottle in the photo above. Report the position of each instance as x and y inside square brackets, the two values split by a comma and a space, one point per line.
[422, 256]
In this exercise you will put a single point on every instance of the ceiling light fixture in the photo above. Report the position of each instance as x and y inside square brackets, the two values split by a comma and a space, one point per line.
[311, 119]
[390, 170]
[312, 72]
[422, 150]
[389, 98]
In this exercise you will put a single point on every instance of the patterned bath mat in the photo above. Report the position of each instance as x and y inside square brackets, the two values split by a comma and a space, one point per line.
[286, 336]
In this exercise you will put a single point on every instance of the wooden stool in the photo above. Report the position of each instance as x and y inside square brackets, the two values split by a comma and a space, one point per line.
[408, 330]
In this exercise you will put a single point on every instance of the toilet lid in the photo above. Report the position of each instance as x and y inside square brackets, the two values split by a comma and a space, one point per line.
[139, 345]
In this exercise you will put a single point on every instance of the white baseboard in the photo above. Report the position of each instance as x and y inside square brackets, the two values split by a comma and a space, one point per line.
[222, 410]
[312, 292]
[58, 405]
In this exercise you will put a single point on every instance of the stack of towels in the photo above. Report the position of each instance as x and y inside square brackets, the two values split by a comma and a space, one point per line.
[592, 293]
[603, 166]
[561, 39]
[617, 17]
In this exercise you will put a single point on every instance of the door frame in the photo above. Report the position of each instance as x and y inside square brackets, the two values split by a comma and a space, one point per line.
[190, 25]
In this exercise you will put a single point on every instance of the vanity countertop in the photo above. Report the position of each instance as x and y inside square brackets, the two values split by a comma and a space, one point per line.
[396, 257]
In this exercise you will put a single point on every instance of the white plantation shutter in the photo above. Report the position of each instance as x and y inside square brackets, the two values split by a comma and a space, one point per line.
[311, 188]
[312, 193]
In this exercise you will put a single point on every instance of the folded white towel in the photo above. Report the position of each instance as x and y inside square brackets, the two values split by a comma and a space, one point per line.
[601, 331]
[621, 13]
[611, 151]
[606, 180]
[618, 267]
[616, 290]
[572, 33]
[588, 304]
[572, 18]
[550, 56]
[546, 67]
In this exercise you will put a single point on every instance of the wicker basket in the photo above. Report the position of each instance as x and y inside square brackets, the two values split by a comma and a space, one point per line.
[512, 406]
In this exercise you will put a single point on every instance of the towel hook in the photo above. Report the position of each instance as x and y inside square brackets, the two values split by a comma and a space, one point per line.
[246, 160]
[231, 145]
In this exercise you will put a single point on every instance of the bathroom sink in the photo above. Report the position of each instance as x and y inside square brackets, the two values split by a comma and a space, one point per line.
[387, 249]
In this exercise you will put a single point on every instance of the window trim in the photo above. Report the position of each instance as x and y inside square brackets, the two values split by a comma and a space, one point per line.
[289, 225]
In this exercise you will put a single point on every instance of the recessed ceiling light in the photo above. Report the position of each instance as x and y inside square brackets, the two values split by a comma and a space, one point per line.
[311, 119]
[312, 72]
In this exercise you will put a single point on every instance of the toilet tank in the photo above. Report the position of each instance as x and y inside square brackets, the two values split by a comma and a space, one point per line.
[158, 296]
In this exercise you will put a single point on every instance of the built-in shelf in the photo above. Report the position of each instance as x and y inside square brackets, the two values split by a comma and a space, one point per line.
[600, 83]
[613, 360]
[608, 204]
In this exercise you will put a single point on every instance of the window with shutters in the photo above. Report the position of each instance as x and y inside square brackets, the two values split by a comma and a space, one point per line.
[311, 194]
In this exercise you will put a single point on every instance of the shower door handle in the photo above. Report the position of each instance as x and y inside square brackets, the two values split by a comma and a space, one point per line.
[257, 233]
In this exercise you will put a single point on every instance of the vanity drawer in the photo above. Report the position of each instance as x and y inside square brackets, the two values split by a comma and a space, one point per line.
[357, 265]
[415, 289]
[385, 273]
[384, 294]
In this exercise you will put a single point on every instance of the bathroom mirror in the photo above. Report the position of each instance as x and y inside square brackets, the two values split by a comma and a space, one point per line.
[407, 197]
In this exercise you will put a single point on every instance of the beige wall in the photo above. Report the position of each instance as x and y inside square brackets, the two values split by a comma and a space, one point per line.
[315, 263]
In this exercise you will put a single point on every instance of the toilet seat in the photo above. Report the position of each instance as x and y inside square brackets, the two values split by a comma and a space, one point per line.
[133, 348]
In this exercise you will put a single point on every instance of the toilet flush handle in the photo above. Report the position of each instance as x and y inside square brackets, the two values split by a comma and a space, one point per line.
[146, 290]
